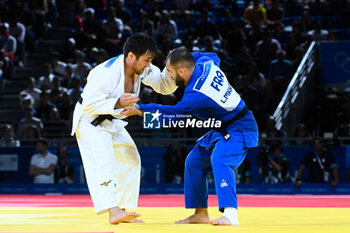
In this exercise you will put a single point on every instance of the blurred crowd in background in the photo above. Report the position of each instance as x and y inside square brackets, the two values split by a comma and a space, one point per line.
[260, 44]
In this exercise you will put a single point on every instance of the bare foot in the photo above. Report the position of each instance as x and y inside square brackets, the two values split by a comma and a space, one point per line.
[223, 221]
[196, 218]
[135, 220]
[116, 215]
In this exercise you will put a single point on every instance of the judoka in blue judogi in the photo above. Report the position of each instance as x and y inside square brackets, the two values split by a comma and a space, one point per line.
[208, 94]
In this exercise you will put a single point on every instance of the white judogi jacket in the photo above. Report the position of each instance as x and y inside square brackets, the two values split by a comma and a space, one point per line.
[105, 85]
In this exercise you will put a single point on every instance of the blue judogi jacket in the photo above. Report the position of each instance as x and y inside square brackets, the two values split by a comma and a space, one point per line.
[208, 94]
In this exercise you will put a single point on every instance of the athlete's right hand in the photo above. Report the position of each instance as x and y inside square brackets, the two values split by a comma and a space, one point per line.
[127, 99]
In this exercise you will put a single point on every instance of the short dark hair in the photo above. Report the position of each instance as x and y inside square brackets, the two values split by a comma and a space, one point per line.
[317, 139]
[139, 44]
[181, 55]
[42, 141]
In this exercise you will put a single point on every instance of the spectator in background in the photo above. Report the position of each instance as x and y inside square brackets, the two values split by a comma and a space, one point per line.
[248, 92]
[182, 5]
[113, 28]
[32, 91]
[205, 27]
[318, 33]
[302, 135]
[5, 68]
[57, 91]
[65, 107]
[122, 12]
[159, 59]
[256, 79]
[298, 33]
[189, 22]
[308, 40]
[290, 48]
[321, 165]
[45, 105]
[91, 27]
[58, 67]
[75, 91]
[41, 9]
[145, 25]
[45, 81]
[68, 78]
[27, 17]
[306, 18]
[25, 100]
[254, 34]
[299, 55]
[279, 165]
[18, 31]
[81, 68]
[275, 16]
[167, 45]
[266, 50]
[8, 139]
[243, 173]
[280, 71]
[31, 135]
[203, 4]
[8, 43]
[42, 165]
[273, 135]
[166, 27]
[235, 39]
[92, 57]
[80, 7]
[209, 45]
[226, 26]
[64, 173]
[55, 127]
[68, 53]
[81, 38]
[255, 13]
[29, 120]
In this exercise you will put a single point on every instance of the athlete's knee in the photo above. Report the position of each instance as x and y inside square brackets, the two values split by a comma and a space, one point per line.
[191, 161]
[217, 161]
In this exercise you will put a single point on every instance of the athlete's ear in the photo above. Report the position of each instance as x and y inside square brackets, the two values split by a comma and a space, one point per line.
[131, 56]
[181, 70]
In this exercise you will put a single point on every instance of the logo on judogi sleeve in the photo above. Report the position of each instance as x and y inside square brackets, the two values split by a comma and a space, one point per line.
[152, 120]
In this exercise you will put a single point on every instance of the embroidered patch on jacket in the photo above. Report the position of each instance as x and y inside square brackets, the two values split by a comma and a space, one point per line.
[223, 184]
[106, 183]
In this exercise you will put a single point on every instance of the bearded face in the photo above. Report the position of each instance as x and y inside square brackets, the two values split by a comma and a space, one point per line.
[179, 81]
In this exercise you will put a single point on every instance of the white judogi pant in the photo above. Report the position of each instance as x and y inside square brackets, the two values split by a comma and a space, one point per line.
[111, 162]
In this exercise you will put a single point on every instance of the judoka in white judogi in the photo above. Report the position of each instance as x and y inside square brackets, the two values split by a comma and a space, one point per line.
[110, 157]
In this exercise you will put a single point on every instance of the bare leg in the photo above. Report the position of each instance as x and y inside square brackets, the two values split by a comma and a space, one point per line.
[200, 216]
[117, 215]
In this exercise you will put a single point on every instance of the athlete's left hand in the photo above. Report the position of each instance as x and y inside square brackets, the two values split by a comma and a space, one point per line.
[131, 111]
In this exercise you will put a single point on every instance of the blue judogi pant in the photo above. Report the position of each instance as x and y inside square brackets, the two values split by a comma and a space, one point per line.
[222, 157]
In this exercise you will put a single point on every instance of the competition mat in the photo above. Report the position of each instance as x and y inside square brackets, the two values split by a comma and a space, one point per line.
[256, 213]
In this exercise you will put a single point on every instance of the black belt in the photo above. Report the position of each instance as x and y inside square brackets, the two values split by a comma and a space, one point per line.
[224, 125]
[98, 120]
